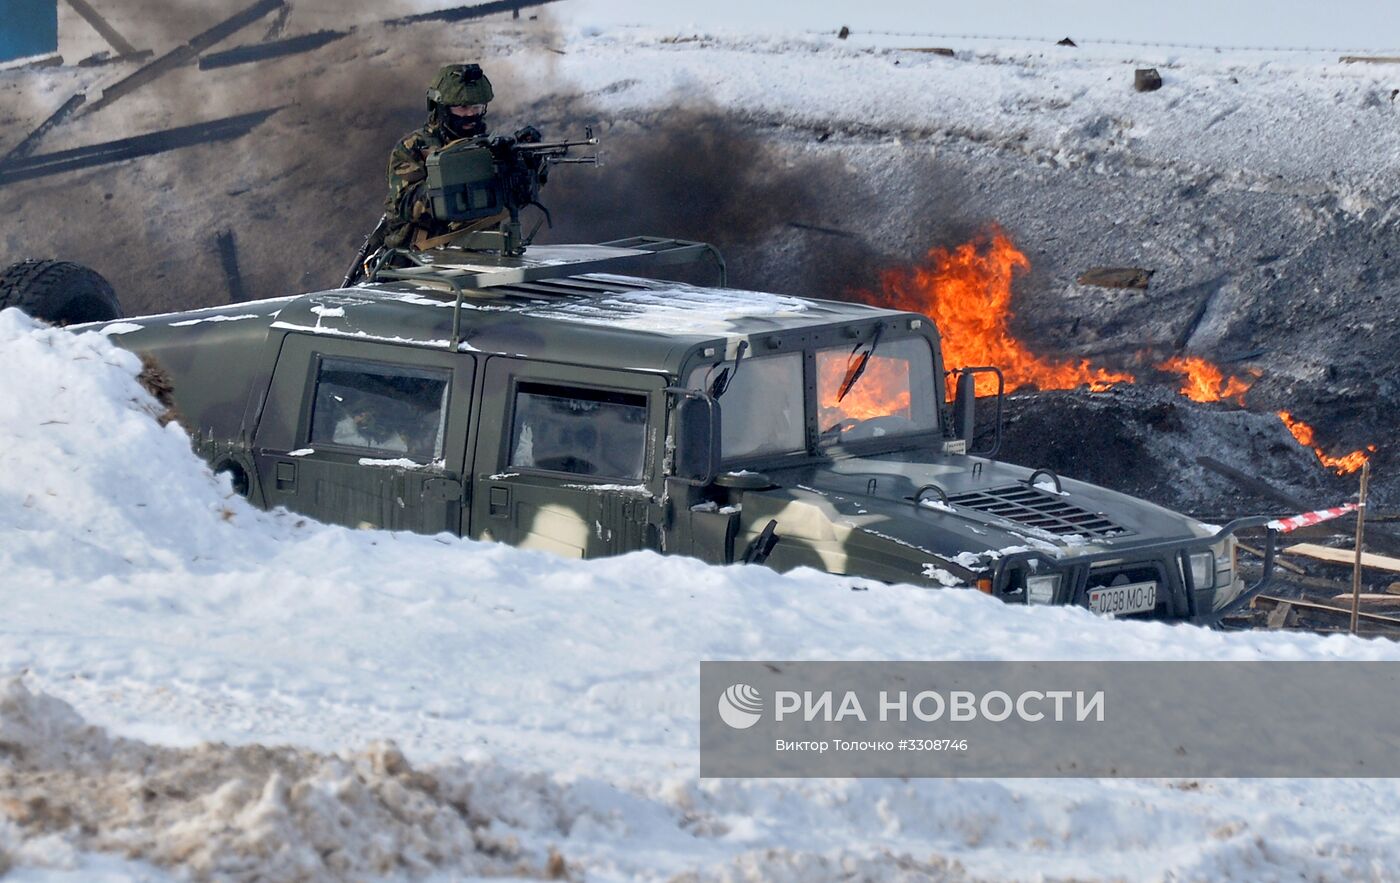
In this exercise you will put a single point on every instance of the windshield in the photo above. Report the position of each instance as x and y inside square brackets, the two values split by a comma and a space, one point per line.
[864, 393]
[887, 392]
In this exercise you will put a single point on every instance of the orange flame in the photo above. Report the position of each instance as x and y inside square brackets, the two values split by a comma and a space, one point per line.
[883, 389]
[967, 293]
[1306, 436]
[1204, 382]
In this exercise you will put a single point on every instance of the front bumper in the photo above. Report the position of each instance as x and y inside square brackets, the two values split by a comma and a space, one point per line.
[1166, 562]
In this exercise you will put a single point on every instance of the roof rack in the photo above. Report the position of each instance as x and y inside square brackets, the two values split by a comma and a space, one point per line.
[475, 275]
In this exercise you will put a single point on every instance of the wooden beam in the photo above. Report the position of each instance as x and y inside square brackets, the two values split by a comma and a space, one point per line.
[99, 24]
[228, 259]
[1279, 617]
[185, 53]
[99, 59]
[274, 49]
[1273, 601]
[1371, 59]
[463, 13]
[278, 24]
[31, 141]
[131, 148]
[1116, 277]
[1344, 556]
[1369, 597]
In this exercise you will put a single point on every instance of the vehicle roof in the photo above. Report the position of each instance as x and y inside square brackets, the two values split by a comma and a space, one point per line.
[598, 319]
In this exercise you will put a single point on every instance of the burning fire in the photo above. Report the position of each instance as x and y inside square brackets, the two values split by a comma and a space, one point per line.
[883, 389]
[967, 293]
[1306, 437]
[1204, 382]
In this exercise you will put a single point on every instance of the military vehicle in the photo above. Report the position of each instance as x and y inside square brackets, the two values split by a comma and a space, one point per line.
[557, 400]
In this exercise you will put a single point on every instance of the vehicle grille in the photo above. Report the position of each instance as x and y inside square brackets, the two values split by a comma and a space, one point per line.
[1039, 509]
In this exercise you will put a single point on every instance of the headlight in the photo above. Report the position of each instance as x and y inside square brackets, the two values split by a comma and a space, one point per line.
[1042, 589]
[1203, 570]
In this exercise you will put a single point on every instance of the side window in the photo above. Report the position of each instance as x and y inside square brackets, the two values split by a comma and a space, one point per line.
[385, 408]
[581, 431]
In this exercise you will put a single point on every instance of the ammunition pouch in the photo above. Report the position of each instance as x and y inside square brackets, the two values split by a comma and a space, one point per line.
[463, 183]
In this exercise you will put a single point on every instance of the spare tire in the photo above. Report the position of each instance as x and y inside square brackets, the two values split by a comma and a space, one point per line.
[60, 292]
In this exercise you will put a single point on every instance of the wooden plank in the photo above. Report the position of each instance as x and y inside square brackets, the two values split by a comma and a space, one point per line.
[103, 58]
[1371, 59]
[186, 52]
[278, 25]
[1116, 277]
[463, 13]
[1278, 617]
[1273, 600]
[100, 24]
[131, 148]
[228, 259]
[1368, 597]
[1344, 556]
[26, 147]
[273, 49]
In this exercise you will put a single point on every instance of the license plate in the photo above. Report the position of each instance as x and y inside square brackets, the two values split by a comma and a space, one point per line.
[1133, 598]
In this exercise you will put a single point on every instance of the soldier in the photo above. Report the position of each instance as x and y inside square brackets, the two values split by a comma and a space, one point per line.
[457, 103]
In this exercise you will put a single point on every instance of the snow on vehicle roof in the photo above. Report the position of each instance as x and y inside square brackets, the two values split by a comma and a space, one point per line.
[664, 310]
[602, 320]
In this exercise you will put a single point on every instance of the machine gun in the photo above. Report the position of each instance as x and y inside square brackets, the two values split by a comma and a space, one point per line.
[472, 180]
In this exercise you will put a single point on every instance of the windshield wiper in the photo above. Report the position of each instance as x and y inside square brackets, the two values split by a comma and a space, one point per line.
[726, 377]
[854, 371]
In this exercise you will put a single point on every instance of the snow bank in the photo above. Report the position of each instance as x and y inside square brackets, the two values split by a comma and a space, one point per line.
[559, 697]
[242, 813]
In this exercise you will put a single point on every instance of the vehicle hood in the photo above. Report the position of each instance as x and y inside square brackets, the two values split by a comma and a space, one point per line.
[871, 501]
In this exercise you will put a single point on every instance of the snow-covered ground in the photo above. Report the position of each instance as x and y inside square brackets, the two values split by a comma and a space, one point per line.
[543, 707]
[550, 708]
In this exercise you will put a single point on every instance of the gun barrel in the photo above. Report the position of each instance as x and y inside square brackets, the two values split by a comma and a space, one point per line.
[556, 145]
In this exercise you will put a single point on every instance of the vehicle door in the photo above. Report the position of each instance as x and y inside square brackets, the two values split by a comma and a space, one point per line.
[367, 434]
[573, 465]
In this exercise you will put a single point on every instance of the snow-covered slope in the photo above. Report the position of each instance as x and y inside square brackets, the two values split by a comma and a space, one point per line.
[559, 697]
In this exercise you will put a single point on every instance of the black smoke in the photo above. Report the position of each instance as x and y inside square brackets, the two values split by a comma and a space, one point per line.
[790, 213]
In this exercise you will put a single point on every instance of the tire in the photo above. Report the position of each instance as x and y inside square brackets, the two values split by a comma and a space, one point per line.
[60, 292]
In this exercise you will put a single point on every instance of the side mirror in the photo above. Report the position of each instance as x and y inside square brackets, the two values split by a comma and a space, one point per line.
[965, 408]
[696, 430]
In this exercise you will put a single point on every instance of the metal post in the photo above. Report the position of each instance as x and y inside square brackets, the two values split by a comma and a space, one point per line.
[1360, 531]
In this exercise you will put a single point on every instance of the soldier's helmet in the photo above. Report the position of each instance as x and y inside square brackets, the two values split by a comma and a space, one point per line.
[459, 85]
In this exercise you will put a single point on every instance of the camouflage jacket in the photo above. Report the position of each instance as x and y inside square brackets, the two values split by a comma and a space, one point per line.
[407, 206]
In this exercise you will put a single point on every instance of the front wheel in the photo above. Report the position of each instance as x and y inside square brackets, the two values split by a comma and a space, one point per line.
[60, 292]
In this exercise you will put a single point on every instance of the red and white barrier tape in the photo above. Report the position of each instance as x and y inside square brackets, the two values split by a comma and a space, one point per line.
[1292, 523]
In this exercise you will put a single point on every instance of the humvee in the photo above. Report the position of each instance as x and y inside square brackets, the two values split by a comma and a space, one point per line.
[560, 401]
